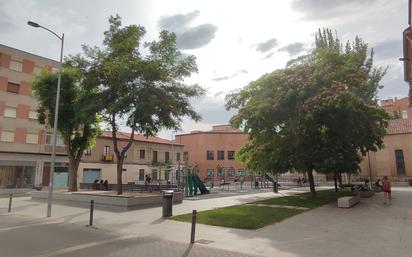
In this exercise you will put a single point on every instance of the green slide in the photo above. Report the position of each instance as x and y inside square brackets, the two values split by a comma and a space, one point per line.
[200, 185]
[268, 177]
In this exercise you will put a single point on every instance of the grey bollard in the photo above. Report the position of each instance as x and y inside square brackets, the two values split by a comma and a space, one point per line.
[193, 230]
[167, 202]
[91, 213]
[10, 199]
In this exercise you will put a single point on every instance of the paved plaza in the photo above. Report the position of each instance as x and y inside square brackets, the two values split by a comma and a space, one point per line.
[368, 229]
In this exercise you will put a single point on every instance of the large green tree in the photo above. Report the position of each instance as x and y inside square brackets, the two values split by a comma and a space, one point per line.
[319, 113]
[78, 111]
[141, 84]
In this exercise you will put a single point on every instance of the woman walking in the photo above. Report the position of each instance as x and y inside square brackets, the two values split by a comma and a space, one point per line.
[386, 185]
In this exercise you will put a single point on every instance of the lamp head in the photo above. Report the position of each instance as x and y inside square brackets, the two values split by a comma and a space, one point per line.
[33, 24]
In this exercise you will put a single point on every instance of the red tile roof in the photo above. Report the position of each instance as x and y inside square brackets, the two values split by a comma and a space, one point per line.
[399, 126]
[140, 138]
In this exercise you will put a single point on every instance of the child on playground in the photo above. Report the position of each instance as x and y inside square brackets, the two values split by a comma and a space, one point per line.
[386, 185]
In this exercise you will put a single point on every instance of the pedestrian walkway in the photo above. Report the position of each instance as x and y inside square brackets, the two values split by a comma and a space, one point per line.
[368, 229]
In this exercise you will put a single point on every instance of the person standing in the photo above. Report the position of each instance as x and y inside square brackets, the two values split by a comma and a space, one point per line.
[386, 185]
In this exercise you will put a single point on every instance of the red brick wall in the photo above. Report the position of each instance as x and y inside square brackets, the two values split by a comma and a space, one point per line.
[2, 106]
[42, 137]
[5, 60]
[3, 83]
[25, 88]
[23, 111]
[20, 135]
[28, 66]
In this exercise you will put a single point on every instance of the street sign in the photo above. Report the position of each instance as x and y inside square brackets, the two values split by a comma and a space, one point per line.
[407, 54]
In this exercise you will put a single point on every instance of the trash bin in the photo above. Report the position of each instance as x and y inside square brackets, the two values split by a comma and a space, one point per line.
[167, 203]
[275, 187]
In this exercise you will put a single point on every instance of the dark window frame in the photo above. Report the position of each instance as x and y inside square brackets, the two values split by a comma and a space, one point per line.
[142, 154]
[231, 155]
[210, 155]
[15, 90]
[167, 156]
[154, 157]
[220, 155]
[400, 162]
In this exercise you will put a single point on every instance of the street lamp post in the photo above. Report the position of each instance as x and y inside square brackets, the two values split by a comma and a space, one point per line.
[55, 123]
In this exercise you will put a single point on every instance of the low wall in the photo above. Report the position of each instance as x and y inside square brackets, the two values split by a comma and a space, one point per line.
[108, 202]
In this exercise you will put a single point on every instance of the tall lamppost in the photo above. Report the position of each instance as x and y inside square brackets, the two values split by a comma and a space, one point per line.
[50, 196]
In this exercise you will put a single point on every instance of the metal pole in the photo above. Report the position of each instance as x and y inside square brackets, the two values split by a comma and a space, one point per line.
[10, 199]
[193, 231]
[91, 213]
[370, 171]
[55, 124]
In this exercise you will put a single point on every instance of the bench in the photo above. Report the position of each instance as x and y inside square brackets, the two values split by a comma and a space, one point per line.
[348, 201]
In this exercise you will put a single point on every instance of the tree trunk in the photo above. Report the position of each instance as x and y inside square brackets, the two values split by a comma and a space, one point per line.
[335, 178]
[311, 181]
[340, 180]
[119, 176]
[73, 167]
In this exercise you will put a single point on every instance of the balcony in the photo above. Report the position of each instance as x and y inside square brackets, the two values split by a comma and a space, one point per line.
[107, 157]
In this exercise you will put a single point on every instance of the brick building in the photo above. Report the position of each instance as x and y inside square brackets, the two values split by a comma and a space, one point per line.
[25, 145]
[157, 157]
[395, 160]
[213, 152]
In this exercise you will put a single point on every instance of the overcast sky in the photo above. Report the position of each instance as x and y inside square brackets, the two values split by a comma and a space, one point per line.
[235, 42]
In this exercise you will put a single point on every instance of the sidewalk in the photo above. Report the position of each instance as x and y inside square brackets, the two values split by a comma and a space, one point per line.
[368, 229]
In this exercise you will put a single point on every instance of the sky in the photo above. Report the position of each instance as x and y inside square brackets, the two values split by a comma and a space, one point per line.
[235, 42]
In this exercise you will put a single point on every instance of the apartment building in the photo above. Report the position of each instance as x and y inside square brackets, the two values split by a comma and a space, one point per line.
[154, 156]
[213, 152]
[25, 145]
[395, 160]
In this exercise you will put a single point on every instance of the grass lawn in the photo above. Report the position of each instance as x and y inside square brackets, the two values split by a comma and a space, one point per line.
[306, 200]
[240, 216]
[254, 217]
[14, 195]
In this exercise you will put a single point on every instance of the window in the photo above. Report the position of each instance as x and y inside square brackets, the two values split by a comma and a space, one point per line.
[32, 115]
[220, 155]
[106, 150]
[154, 156]
[231, 172]
[88, 152]
[404, 115]
[49, 140]
[210, 173]
[142, 154]
[185, 156]
[13, 87]
[230, 155]
[141, 175]
[7, 136]
[16, 65]
[178, 157]
[167, 156]
[210, 155]
[154, 174]
[32, 138]
[10, 112]
[400, 162]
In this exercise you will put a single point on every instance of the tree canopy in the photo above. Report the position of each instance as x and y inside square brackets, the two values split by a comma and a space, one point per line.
[141, 83]
[78, 120]
[317, 113]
